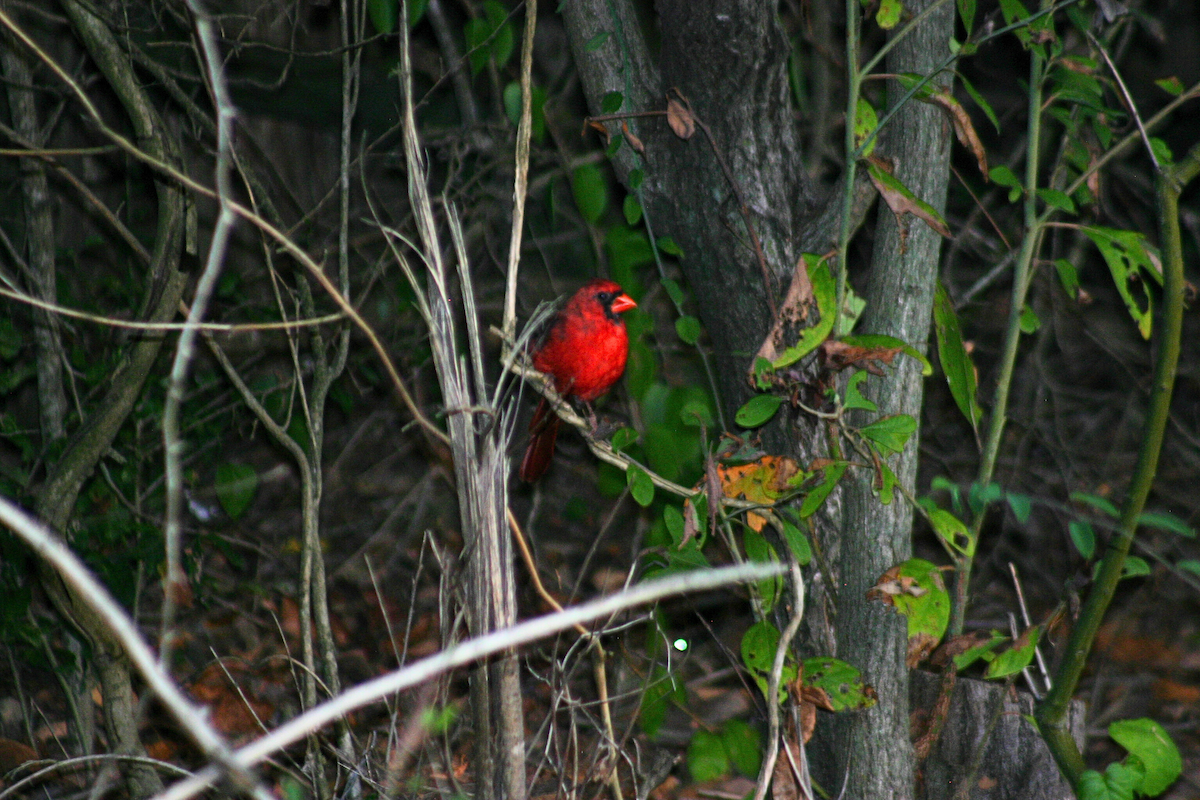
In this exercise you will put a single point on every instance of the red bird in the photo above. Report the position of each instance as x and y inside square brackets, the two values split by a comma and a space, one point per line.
[583, 349]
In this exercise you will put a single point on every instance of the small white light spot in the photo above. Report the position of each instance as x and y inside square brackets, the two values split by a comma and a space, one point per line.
[680, 644]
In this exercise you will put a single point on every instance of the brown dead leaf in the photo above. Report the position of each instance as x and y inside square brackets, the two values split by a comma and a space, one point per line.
[892, 583]
[956, 646]
[793, 312]
[919, 648]
[964, 128]
[679, 116]
[836, 356]
[901, 203]
[633, 140]
[599, 127]
[762, 481]
[13, 754]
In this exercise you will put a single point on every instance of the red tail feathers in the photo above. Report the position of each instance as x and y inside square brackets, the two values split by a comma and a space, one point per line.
[543, 431]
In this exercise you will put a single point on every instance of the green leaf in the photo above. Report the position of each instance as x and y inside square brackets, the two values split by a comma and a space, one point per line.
[759, 643]
[1191, 565]
[632, 209]
[673, 519]
[1068, 277]
[758, 410]
[797, 542]
[1020, 504]
[1083, 537]
[983, 104]
[1117, 783]
[841, 682]
[953, 533]
[890, 433]
[640, 485]
[596, 42]
[416, 10]
[889, 13]
[383, 15]
[636, 176]
[887, 483]
[924, 602]
[759, 550]
[1003, 176]
[590, 191]
[1096, 502]
[1016, 658]
[1135, 567]
[696, 413]
[674, 291]
[623, 438]
[966, 12]
[236, 486]
[667, 245]
[707, 759]
[744, 746]
[1166, 522]
[1130, 264]
[854, 398]
[502, 41]
[611, 103]
[537, 102]
[955, 360]
[825, 292]
[1029, 321]
[1172, 86]
[1151, 745]
[688, 328]
[832, 473]
[662, 691]
[1060, 200]
[865, 123]
[984, 650]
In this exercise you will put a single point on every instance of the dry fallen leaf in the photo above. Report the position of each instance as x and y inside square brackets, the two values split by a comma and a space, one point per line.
[680, 119]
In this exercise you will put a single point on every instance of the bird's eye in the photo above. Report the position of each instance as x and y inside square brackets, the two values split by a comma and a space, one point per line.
[606, 297]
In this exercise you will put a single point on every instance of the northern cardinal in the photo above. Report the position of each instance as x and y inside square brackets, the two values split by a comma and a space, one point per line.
[583, 349]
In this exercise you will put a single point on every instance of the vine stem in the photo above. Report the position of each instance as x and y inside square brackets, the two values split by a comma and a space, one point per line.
[1022, 275]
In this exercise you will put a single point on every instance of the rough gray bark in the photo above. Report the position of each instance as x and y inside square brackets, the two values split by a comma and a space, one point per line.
[989, 748]
[875, 744]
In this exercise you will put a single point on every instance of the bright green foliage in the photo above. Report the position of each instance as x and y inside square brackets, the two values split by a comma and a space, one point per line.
[1017, 657]
[889, 434]
[1151, 747]
[865, 123]
[825, 293]
[1129, 260]
[842, 683]
[758, 410]
[918, 593]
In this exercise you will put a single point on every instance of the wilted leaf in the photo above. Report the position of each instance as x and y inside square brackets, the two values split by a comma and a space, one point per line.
[916, 590]
[902, 201]
[812, 284]
[679, 117]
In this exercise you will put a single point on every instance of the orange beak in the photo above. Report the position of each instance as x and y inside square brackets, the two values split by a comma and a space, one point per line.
[622, 302]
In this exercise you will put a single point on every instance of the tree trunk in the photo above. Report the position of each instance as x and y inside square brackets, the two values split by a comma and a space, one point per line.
[876, 743]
